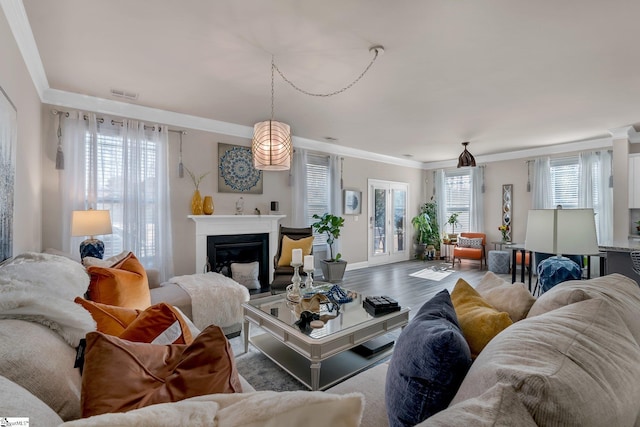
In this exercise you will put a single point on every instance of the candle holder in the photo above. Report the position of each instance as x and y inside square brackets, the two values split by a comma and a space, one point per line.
[294, 289]
[309, 281]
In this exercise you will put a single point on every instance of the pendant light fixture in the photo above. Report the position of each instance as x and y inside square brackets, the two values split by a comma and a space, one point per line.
[466, 159]
[271, 146]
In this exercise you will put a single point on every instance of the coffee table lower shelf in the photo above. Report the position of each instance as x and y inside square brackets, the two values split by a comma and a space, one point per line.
[333, 370]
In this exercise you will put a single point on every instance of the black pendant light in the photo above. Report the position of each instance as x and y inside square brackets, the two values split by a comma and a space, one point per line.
[466, 159]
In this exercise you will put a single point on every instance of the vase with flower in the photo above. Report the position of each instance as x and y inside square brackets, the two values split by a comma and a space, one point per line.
[196, 199]
[504, 229]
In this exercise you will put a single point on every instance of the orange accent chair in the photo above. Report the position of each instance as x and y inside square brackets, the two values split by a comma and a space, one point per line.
[463, 250]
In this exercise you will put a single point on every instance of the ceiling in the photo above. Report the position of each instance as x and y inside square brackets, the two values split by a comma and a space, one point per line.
[505, 75]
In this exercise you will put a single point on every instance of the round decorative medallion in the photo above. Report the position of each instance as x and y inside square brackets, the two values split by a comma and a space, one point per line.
[236, 168]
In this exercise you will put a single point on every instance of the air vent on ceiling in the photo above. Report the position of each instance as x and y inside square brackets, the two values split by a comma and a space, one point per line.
[124, 94]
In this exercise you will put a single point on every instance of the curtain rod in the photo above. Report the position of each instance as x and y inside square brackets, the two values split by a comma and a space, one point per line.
[114, 122]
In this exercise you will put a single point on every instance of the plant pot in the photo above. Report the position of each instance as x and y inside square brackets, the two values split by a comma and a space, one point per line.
[420, 249]
[453, 237]
[333, 271]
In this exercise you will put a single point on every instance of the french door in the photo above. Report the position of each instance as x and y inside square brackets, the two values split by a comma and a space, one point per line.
[388, 237]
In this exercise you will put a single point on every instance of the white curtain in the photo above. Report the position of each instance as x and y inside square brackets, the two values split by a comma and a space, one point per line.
[605, 192]
[541, 194]
[476, 204]
[298, 177]
[595, 170]
[124, 169]
[441, 198]
[335, 192]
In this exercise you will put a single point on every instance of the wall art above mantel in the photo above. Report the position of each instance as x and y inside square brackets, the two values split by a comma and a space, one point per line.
[236, 173]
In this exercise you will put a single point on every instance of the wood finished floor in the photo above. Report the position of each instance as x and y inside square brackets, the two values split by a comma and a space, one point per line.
[394, 280]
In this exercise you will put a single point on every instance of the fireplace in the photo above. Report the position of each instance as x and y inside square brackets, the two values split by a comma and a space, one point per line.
[236, 225]
[222, 250]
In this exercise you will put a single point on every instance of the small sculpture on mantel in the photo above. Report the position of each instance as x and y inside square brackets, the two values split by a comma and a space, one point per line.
[256, 211]
[240, 206]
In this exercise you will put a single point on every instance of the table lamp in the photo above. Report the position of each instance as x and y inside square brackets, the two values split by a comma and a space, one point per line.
[91, 223]
[560, 232]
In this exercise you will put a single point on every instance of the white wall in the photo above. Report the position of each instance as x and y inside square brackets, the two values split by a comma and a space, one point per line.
[16, 82]
[200, 154]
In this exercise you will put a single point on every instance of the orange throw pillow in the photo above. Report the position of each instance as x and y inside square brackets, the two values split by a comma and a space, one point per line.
[110, 319]
[125, 284]
[120, 375]
[159, 324]
[479, 321]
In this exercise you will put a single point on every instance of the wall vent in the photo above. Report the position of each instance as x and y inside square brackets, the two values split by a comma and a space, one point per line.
[124, 94]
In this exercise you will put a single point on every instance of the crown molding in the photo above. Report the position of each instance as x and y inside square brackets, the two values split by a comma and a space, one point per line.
[625, 132]
[19, 24]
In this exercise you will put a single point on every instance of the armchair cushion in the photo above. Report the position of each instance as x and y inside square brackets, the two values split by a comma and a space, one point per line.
[288, 244]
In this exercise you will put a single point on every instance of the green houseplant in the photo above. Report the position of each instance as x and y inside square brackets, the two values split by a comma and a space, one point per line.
[333, 268]
[431, 209]
[453, 221]
[422, 225]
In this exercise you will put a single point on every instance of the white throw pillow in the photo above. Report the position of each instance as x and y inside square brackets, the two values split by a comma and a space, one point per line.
[261, 408]
[470, 242]
[246, 274]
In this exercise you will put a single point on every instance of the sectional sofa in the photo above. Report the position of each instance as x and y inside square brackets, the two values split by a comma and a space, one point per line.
[573, 361]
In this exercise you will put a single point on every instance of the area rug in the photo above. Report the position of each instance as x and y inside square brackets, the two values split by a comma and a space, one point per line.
[260, 371]
[431, 274]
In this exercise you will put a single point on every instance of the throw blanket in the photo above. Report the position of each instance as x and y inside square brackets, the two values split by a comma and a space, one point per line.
[41, 288]
[215, 299]
[261, 408]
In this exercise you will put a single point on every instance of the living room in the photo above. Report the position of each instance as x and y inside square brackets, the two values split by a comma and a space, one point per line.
[38, 207]
[597, 113]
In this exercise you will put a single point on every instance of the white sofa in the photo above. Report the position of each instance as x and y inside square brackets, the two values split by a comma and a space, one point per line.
[572, 362]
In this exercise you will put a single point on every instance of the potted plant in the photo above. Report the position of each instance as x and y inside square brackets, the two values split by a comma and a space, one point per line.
[334, 267]
[422, 225]
[431, 209]
[453, 221]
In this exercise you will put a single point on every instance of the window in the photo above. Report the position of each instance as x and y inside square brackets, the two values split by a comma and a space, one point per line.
[458, 197]
[565, 182]
[318, 187]
[121, 172]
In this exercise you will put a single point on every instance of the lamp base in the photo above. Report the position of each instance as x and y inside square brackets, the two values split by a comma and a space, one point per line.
[556, 270]
[92, 247]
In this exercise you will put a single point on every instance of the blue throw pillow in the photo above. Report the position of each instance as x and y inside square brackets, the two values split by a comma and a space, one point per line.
[429, 362]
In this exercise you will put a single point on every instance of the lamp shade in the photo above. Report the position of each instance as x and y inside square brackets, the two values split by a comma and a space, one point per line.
[561, 231]
[271, 146]
[90, 223]
[466, 159]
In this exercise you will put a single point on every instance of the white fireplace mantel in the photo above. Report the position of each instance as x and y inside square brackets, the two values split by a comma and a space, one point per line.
[231, 225]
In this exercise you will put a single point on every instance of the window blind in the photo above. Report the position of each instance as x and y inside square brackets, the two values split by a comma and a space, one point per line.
[317, 191]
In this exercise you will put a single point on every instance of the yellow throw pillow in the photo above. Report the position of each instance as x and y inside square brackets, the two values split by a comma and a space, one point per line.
[479, 321]
[124, 285]
[288, 244]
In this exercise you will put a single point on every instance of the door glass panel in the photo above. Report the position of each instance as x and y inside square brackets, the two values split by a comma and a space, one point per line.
[399, 219]
[379, 221]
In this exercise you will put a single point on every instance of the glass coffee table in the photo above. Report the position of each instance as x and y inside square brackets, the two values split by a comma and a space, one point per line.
[302, 354]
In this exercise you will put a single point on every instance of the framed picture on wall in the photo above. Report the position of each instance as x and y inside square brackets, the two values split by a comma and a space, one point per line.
[352, 202]
[236, 173]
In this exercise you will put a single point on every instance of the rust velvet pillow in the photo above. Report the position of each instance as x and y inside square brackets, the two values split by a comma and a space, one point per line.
[121, 375]
[479, 321]
[125, 284]
[159, 324]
